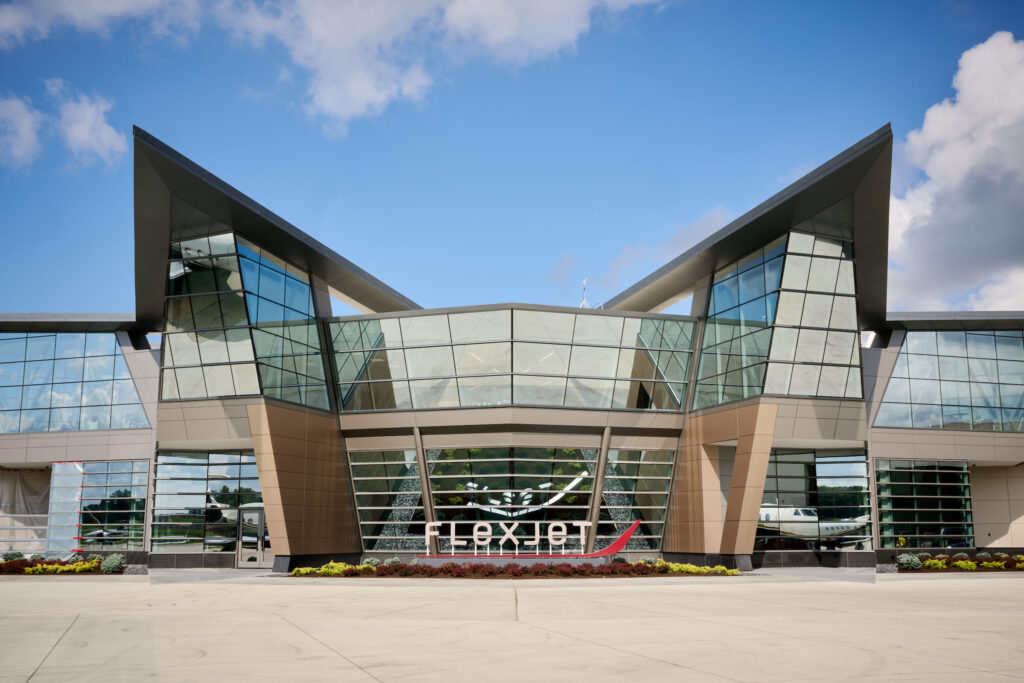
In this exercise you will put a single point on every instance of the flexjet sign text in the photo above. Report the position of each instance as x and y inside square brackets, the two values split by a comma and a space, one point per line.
[483, 533]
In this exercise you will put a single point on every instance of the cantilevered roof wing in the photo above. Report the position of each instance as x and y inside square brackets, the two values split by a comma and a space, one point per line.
[177, 199]
[860, 174]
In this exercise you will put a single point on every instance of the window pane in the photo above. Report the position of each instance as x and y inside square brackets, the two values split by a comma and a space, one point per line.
[547, 359]
[593, 361]
[482, 326]
[426, 329]
[430, 362]
[480, 359]
[542, 326]
[546, 391]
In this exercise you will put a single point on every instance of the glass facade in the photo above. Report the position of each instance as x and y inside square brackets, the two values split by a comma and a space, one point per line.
[738, 330]
[97, 505]
[512, 357]
[924, 504]
[957, 380]
[197, 499]
[815, 500]
[636, 486]
[53, 382]
[389, 500]
[782, 320]
[239, 322]
[816, 342]
[522, 485]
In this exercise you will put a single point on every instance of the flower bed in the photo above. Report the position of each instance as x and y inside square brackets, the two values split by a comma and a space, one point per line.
[960, 562]
[94, 564]
[512, 571]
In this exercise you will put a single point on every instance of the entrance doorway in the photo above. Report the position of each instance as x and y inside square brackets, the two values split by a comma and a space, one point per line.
[253, 540]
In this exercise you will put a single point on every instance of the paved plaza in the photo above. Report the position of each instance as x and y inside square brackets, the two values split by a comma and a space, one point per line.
[229, 625]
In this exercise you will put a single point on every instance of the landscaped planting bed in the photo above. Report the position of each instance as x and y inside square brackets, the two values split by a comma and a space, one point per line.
[959, 562]
[16, 563]
[395, 568]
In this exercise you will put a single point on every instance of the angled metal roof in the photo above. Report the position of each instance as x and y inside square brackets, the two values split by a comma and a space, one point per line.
[861, 172]
[67, 322]
[955, 320]
[177, 199]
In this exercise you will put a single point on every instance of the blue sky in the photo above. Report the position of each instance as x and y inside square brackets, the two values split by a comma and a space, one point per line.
[473, 152]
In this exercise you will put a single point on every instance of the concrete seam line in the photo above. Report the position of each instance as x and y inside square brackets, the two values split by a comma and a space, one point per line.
[628, 652]
[515, 594]
[310, 635]
[43, 660]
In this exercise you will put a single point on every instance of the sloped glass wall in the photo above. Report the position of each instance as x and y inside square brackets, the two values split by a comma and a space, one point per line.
[528, 357]
[239, 322]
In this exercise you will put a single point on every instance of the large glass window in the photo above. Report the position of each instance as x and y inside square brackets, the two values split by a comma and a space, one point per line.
[389, 500]
[53, 382]
[524, 485]
[738, 332]
[924, 504]
[97, 505]
[783, 319]
[239, 321]
[957, 380]
[512, 357]
[815, 500]
[636, 486]
[197, 498]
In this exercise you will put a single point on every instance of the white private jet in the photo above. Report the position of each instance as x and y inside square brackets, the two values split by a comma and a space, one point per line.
[802, 521]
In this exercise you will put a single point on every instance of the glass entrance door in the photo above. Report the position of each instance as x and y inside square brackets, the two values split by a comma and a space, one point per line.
[254, 540]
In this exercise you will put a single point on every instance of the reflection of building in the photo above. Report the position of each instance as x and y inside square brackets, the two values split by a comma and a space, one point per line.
[758, 426]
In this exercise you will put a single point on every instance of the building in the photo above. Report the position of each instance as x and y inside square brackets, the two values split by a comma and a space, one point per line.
[787, 420]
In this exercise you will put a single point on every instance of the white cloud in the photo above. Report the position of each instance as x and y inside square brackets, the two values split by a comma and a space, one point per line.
[359, 56]
[24, 20]
[956, 237]
[363, 55]
[19, 132]
[82, 122]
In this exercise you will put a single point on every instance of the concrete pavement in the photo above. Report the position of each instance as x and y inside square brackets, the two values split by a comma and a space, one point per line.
[225, 625]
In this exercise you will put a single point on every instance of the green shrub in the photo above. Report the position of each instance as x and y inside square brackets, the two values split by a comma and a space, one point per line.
[924, 556]
[94, 556]
[961, 556]
[392, 560]
[935, 564]
[373, 561]
[984, 556]
[12, 555]
[1020, 565]
[303, 571]
[965, 565]
[1001, 556]
[37, 557]
[112, 564]
[994, 564]
[618, 558]
[415, 561]
[1018, 558]
[908, 561]
[648, 560]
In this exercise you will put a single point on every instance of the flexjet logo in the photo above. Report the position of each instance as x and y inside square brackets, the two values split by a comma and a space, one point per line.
[557, 534]
[483, 534]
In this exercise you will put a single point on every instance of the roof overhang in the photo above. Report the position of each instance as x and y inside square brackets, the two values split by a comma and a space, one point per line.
[164, 179]
[68, 322]
[861, 173]
[956, 320]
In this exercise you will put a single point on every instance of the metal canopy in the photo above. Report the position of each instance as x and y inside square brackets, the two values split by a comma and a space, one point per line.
[68, 322]
[956, 320]
[177, 199]
[861, 172]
